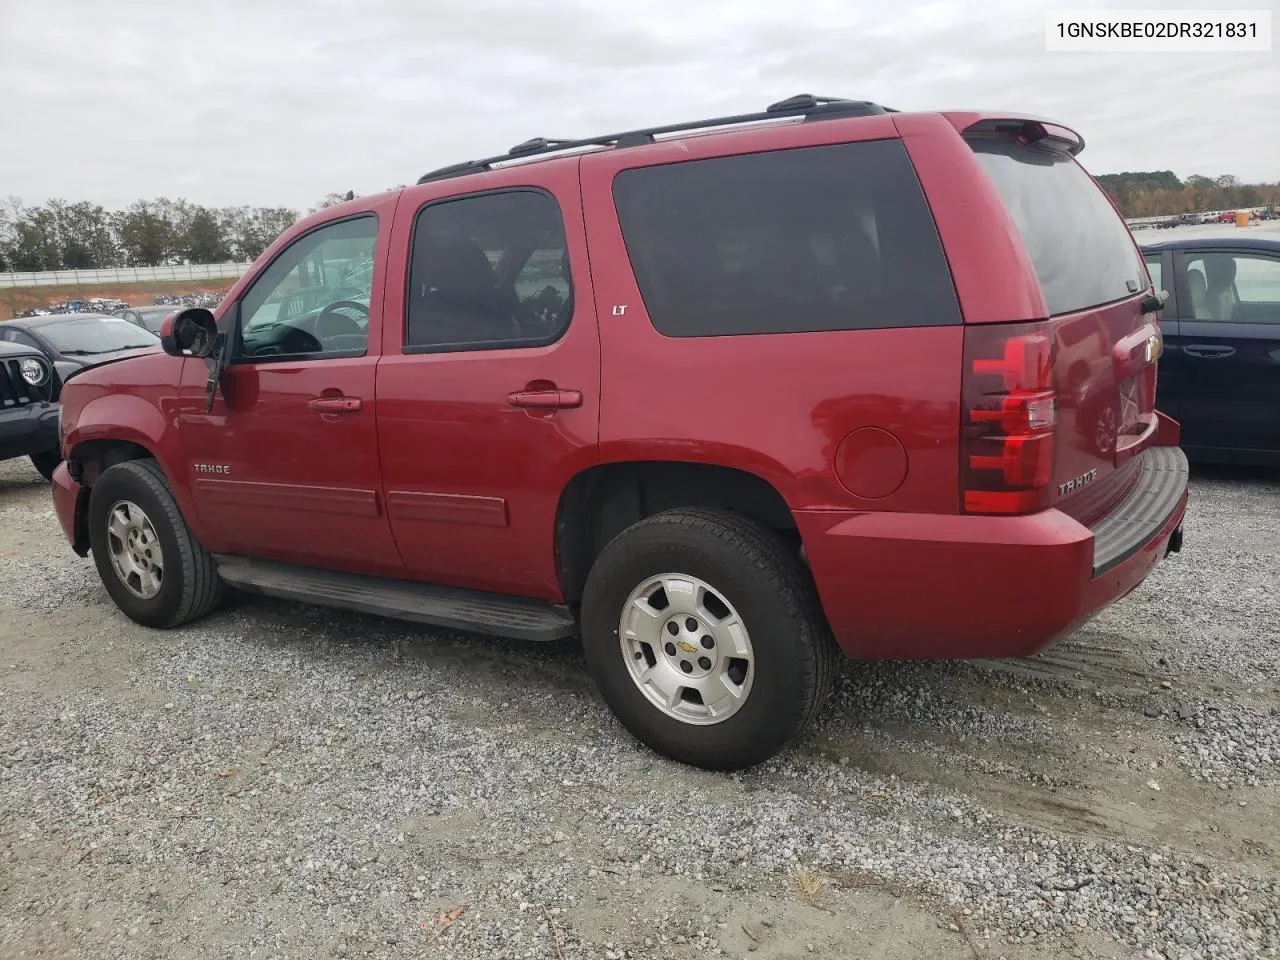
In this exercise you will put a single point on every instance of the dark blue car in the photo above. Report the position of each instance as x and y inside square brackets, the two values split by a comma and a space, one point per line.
[1220, 372]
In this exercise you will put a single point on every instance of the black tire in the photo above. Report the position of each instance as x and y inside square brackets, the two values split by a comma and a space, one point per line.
[190, 587]
[794, 654]
[46, 463]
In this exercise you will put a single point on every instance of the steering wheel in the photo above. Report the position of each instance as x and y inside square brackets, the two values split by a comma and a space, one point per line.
[330, 323]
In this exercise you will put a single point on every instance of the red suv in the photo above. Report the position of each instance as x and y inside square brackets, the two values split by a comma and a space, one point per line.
[723, 398]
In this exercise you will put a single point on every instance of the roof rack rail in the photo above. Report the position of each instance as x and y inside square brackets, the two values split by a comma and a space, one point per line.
[804, 105]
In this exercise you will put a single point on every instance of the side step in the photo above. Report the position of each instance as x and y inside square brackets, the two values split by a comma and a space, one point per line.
[469, 610]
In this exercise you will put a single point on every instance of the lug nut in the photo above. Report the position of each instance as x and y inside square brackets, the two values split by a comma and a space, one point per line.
[704, 663]
[672, 628]
[686, 666]
[707, 642]
[671, 649]
[691, 624]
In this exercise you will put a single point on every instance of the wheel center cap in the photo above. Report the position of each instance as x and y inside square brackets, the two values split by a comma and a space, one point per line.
[688, 646]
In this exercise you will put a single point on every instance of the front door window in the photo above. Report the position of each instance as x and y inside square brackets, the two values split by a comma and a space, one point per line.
[313, 301]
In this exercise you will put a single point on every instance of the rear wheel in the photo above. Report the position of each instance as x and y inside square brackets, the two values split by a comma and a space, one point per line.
[46, 463]
[150, 563]
[705, 637]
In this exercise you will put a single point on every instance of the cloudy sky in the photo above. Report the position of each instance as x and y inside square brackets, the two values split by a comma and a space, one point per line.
[278, 102]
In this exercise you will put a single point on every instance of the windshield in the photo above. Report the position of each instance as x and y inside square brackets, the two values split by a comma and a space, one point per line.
[97, 335]
[153, 318]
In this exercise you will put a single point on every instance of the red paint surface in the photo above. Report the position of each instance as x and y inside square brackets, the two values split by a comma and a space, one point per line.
[436, 475]
[871, 463]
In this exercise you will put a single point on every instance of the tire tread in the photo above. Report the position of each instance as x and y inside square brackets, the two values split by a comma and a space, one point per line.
[772, 562]
[202, 590]
[764, 550]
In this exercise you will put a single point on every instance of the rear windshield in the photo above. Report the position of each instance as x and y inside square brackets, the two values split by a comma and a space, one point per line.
[1083, 253]
[786, 241]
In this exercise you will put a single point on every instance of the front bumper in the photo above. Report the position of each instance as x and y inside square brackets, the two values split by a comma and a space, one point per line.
[27, 429]
[926, 586]
[69, 501]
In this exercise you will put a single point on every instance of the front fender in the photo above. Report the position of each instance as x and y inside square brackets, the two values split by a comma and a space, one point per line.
[117, 417]
[123, 418]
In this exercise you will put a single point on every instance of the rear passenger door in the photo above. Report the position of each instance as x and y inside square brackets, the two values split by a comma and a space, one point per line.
[488, 390]
[1229, 348]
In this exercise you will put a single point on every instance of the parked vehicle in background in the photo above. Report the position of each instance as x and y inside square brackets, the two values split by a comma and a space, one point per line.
[148, 318]
[96, 305]
[1227, 216]
[28, 407]
[1180, 220]
[72, 341]
[1220, 372]
[206, 299]
[837, 378]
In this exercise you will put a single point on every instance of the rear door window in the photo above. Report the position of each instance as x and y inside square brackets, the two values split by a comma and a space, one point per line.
[816, 238]
[488, 271]
[1083, 253]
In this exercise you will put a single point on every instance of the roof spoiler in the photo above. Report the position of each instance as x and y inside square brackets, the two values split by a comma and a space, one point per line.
[1028, 131]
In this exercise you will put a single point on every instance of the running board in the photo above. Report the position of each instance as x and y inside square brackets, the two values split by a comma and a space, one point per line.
[469, 610]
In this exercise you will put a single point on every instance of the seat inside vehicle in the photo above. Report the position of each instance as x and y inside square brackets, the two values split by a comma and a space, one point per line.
[1199, 290]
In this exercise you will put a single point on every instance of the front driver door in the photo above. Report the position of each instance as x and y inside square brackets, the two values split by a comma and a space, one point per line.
[285, 466]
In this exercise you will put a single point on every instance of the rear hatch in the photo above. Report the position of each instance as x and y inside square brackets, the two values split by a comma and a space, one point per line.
[1060, 405]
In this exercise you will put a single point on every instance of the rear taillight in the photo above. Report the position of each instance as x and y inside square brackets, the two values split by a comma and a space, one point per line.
[1010, 414]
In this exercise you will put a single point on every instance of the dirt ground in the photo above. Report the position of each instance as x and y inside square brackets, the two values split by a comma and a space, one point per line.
[283, 781]
[15, 300]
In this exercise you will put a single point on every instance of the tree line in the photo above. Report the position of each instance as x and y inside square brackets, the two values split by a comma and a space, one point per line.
[62, 235]
[1160, 193]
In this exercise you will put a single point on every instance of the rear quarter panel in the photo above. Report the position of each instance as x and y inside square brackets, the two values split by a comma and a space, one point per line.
[775, 405]
[993, 274]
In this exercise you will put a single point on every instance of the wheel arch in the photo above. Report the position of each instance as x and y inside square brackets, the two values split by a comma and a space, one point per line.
[601, 501]
[86, 462]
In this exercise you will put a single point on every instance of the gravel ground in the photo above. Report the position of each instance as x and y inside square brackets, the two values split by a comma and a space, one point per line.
[280, 781]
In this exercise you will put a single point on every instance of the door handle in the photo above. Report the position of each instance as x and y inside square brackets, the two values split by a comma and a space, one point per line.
[334, 404]
[1208, 351]
[545, 399]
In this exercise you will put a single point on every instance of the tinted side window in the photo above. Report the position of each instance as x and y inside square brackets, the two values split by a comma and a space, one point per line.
[488, 271]
[1082, 251]
[815, 238]
[313, 299]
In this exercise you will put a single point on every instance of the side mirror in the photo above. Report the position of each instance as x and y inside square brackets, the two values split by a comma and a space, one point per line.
[189, 333]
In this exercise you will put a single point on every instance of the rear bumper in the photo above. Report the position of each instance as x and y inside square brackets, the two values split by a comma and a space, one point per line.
[927, 586]
[28, 429]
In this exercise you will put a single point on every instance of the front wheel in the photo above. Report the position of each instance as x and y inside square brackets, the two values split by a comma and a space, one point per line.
[705, 637]
[154, 569]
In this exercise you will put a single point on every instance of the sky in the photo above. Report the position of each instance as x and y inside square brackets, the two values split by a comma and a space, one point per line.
[279, 102]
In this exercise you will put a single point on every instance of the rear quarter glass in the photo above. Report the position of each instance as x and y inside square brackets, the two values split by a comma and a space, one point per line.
[824, 238]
